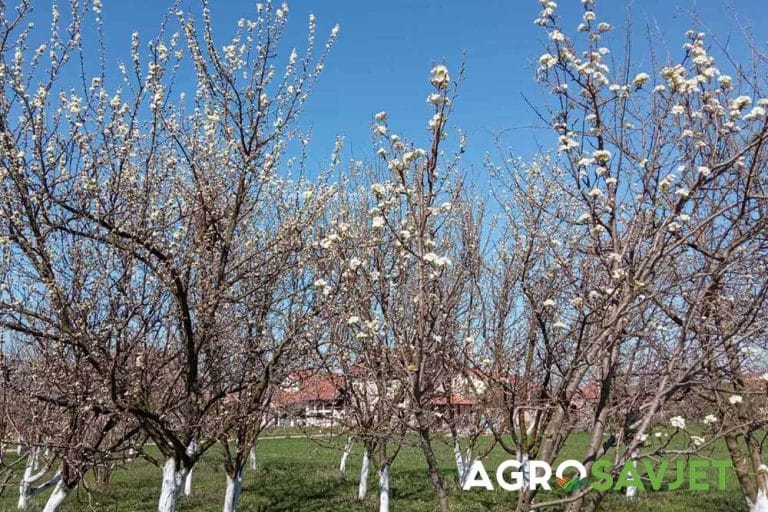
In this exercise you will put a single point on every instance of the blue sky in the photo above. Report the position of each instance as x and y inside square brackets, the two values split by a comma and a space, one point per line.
[385, 50]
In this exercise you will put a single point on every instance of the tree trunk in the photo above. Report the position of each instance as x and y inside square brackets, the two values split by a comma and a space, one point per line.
[463, 463]
[188, 484]
[59, 494]
[234, 488]
[345, 456]
[28, 478]
[24, 486]
[384, 488]
[362, 489]
[752, 478]
[434, 470]
[760, 504]
[188, 479]
[460, 467]
[173, 478]
[525, 496]
[631, 491]
[252, 457]
[102, 474]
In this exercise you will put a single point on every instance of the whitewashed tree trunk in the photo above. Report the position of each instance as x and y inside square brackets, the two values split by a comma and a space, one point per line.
[345, 456]
[28, 478]
[463, 463]
[30, 491]
[761, 502]
[173, 479]
[362, 489]
[188, 479]
[59, 494]
[252, 457]
[188, 484]
[232, 494]
[460, 469]
[24, 485]
[469, 459]
[631, 491]
[525, 468]
[384, 489]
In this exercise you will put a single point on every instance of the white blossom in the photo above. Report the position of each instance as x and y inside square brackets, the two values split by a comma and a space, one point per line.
[440, 77]
[378, 189]
[640, 79]
[755, 113]
[557, 36]
[677, 422]
[547, 60]
[741, 102]
[602, 155]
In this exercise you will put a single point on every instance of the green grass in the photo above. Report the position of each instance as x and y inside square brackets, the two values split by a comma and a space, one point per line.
[300, 475]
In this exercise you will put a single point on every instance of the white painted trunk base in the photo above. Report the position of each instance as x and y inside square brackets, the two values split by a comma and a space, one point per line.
[468, 461]
[345, 456]
[28, 478]
[59, 494]
[252, 457]
[24, 486]
[362, 489]
[384, 489]
[760, 504]
[188, 479]
[173, 479]
[232, 494]
[525, 468]
[459, 460]
[463, 462]
[631, 491]
[188, 484]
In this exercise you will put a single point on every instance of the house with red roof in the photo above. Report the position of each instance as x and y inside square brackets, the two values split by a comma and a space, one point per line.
[312, 399]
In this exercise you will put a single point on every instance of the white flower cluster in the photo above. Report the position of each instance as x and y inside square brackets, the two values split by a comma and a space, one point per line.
[440, 77]
[437, 261]
[677, 422]
[323, 286]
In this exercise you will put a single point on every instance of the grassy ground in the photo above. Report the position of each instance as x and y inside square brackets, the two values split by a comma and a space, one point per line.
[301, 475]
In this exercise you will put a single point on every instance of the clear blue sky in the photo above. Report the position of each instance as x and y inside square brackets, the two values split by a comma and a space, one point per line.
[386, 48]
